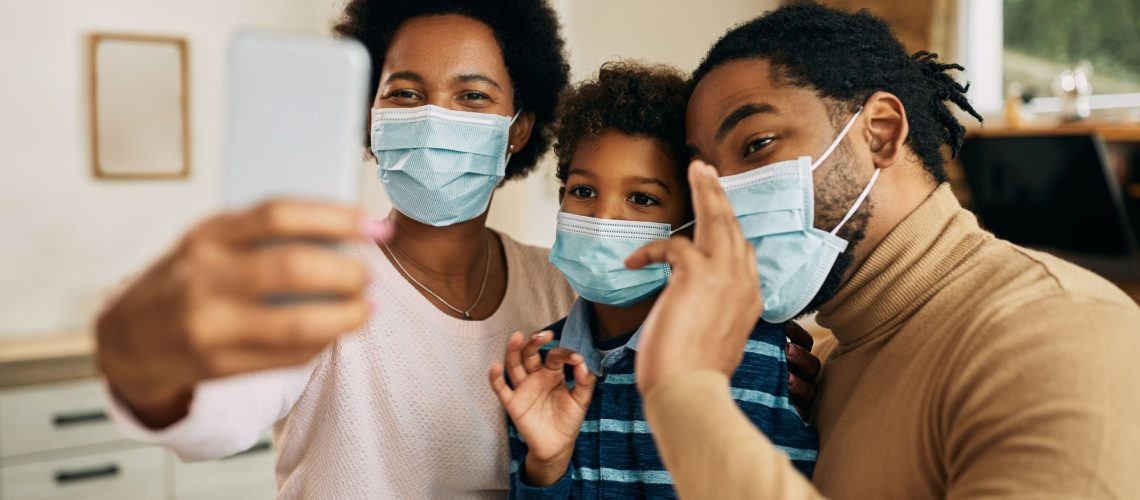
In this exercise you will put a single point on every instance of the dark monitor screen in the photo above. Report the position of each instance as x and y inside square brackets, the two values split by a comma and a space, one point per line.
[1052, 192]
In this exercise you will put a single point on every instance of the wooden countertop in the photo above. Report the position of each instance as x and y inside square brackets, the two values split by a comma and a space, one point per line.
[34, 359]
[1113, 132]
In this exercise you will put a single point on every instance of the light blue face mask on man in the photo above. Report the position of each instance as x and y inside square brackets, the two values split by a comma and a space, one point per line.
[440, 166]
[775, 206]
[591, 254]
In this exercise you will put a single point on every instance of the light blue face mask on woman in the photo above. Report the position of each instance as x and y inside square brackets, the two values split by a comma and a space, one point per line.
[591, 254]
[775, 206]
[440, 166]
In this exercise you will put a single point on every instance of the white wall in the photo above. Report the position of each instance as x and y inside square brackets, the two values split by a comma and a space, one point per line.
[65, 237]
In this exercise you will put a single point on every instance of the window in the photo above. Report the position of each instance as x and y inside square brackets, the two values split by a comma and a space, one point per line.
[1032, 41]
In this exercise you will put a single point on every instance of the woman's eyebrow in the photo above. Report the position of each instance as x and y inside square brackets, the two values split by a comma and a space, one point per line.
[405, 75]
[636, 180]
[476, 77]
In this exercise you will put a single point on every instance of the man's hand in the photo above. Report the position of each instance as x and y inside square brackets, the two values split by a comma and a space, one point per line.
[703, 318]
[803, 368]
[546, 413]
[201, 312]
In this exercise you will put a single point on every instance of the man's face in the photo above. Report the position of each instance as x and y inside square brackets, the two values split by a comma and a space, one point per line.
[740, 119]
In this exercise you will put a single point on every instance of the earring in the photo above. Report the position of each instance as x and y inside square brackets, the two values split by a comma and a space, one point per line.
[511, 148]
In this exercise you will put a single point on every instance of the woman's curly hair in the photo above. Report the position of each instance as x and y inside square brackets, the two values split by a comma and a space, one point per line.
[528, 33]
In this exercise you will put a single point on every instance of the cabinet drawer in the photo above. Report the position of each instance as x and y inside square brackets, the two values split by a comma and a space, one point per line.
[245, 476]
[120, 475]
[52, 417]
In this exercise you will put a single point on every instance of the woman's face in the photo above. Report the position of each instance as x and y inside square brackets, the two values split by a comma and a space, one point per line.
[453, 62]
[624, 177]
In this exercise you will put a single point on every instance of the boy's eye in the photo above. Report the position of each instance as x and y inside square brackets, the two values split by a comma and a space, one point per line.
[643, 199]
[582, 192]
[756, 145]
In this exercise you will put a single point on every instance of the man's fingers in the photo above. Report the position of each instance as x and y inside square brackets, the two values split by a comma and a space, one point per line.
[499, 384]
[531, 359]
[802, 363]
[677, 252]
[513, 359]
[584, 382]
[557, 358]
[798, 335]
[300, 268]
[296, 219]
[716, 229]
[802, 395]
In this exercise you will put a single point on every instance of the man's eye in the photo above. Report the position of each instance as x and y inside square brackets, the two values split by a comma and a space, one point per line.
[643, 199]
[756, 145]
[582, 192]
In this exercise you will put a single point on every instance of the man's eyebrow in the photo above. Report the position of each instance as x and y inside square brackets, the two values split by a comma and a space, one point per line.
[405, 75]
[739, 114]
[636, 179]
[476, 77]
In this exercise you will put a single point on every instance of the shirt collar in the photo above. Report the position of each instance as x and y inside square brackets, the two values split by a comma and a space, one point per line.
[577, 335]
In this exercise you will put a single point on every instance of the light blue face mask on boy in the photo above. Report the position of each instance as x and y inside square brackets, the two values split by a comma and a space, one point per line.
[775, 206]
[440, 166]
[591, 254]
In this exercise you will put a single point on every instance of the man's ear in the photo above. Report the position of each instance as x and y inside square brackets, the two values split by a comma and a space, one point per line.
[520, 131]
[886, 128]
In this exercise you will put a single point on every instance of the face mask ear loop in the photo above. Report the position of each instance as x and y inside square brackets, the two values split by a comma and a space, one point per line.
[687, 224]
[838, 139]
[858, 202]
[509, 125]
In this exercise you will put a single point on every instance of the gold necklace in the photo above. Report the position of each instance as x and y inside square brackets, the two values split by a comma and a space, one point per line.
[466, 313]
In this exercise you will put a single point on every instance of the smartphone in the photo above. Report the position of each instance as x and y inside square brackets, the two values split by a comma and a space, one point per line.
[297, 109]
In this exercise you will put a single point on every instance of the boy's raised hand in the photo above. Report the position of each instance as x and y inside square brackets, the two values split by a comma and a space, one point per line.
[546, 412]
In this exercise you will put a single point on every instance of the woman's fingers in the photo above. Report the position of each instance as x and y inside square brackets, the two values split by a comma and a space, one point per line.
[716, 230]
[296, 219]
[531, 359]
[677, 252]
[297, 268]
[513, 359]
[584, 382]
[499, 384]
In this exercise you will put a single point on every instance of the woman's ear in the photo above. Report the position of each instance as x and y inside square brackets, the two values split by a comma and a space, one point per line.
[561, 195]
[520, 131]
[886, 128]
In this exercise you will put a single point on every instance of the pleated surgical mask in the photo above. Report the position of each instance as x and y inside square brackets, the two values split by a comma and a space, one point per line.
[440, 166]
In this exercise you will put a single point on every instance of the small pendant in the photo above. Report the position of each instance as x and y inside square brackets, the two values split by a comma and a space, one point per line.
[466, 316]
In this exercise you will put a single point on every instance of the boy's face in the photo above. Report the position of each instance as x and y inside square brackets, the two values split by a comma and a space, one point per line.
[624, 177]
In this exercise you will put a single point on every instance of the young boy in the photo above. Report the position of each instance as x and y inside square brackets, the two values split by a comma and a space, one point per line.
[577, 428]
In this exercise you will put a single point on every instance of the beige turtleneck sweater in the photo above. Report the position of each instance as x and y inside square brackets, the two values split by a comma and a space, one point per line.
[963, 366]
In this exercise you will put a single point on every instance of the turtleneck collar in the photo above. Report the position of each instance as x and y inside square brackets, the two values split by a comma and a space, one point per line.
[904, 271]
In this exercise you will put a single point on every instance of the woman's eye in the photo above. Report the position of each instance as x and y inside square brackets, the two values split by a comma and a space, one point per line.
[582, 192]
[403, 94]
[643, 199]
[475, 96]
[756, 145]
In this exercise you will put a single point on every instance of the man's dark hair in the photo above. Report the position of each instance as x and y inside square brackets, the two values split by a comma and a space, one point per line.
[846, 57]
[528, 33]
[630, 98]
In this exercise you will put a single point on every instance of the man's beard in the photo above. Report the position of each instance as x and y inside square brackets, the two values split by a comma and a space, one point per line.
[838, 191]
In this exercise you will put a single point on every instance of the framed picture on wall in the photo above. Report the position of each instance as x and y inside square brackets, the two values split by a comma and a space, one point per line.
[140, 124]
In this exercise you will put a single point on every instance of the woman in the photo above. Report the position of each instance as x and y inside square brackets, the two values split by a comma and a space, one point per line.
[466, 92]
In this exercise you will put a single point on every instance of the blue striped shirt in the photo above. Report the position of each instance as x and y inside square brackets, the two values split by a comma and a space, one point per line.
[615, 456]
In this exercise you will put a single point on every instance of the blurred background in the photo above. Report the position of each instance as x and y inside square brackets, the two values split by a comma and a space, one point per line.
[1056, 166]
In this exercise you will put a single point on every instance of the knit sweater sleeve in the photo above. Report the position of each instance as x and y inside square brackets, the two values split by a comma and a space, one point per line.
[1044, 402]
[226, 416]
[711, 448]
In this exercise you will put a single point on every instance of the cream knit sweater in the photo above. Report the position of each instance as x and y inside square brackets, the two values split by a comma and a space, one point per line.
[400, 409]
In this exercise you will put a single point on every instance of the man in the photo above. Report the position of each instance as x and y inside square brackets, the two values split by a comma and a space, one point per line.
[962, 365]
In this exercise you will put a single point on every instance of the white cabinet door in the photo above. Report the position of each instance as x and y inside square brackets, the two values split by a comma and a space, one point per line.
[132, 474]
[245, 476]
[55, 416]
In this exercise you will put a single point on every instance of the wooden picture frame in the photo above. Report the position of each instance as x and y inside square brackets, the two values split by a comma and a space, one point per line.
[140, 112]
